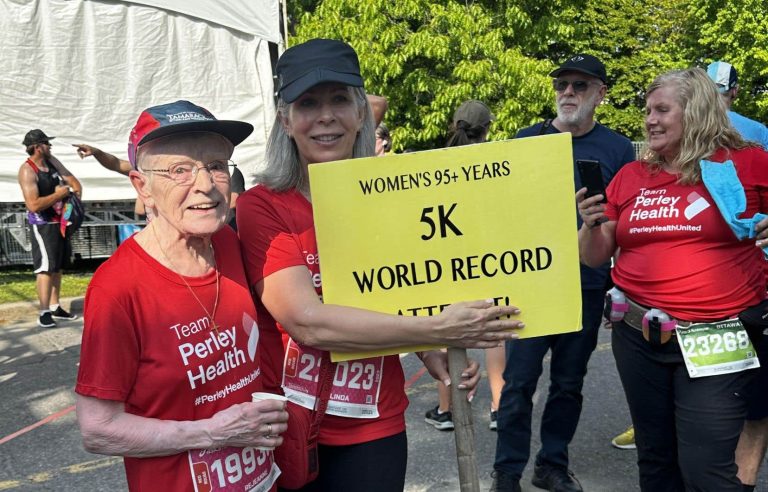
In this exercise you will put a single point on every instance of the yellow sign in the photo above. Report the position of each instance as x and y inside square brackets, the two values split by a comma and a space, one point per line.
[412, 233]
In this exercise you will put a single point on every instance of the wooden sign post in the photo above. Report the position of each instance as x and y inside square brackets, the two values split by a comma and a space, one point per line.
[464, 430]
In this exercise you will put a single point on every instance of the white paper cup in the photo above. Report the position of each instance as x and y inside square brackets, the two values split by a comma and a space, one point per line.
[261, 396]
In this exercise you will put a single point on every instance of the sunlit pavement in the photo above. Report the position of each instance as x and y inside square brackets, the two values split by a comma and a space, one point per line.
[40, 447]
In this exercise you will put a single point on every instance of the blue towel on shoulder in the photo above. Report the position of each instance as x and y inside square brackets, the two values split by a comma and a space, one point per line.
[723, 184]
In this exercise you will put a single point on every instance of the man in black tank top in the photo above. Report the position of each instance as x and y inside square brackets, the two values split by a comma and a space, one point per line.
[45, 184]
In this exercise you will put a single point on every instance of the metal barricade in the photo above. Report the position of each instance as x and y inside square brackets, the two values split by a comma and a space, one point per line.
[96, 238]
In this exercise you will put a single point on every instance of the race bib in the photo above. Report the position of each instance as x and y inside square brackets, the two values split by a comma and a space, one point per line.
[721, 347]
[356, 383]
[233, 469]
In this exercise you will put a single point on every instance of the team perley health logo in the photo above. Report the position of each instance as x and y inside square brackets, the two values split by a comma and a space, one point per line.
[218, 352]
[252, 329]
[657, 204]
[697, 205]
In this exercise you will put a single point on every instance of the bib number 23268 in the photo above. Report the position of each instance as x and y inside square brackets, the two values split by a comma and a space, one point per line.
[715, 348]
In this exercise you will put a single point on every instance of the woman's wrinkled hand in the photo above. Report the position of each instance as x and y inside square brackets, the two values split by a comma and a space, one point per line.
[257, 424]
[591, 211]
[476, 324]
[436, 362]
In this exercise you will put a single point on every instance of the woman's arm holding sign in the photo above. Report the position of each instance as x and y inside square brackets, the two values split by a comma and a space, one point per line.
[290, 297]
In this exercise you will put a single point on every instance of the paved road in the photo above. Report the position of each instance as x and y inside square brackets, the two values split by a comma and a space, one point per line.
[40, 447]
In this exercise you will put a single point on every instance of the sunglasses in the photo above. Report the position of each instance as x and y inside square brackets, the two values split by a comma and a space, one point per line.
[561, 85]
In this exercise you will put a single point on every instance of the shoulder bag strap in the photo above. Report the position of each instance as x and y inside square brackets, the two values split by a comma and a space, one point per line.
[545, 126]
[327, 370]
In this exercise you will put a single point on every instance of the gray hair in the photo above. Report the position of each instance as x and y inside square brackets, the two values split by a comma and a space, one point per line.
[284, 171]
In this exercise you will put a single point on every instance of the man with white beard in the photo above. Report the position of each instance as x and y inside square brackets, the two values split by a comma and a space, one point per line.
[580, 84]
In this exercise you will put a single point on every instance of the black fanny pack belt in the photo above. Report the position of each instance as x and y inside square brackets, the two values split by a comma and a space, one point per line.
[634, 317]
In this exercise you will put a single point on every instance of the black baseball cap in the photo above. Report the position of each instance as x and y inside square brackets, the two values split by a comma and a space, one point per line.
[583, 63]
[305, 65]
[36, 136]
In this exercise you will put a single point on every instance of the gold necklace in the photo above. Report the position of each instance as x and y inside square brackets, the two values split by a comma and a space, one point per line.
[210, 316]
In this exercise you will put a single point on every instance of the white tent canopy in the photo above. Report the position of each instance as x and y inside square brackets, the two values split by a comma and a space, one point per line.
[82, 70]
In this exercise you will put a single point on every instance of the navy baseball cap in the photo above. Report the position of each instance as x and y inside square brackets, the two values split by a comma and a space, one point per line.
[182, 117]
[583, 63]
[305, 65]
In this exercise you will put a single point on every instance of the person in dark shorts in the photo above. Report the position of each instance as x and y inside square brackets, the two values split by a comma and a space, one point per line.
[46, 184]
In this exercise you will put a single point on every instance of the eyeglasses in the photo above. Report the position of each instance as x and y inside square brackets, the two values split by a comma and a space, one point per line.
[561, 85]
[185, 173]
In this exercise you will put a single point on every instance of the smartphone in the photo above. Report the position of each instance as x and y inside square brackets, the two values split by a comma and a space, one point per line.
[591, 177]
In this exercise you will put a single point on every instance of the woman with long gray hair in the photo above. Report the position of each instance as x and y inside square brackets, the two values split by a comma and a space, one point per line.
[323, 116]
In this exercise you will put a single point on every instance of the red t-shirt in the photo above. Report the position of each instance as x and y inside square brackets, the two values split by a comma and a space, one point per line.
[148, 343]
[676, 251]
[276, 232]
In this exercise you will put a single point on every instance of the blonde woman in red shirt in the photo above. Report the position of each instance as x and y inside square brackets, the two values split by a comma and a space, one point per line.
[686, 277]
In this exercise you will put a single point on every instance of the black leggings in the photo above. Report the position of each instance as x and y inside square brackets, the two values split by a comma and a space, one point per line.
[375, 466]
[686, 429]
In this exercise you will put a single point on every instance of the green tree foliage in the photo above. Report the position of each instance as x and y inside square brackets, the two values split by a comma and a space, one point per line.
[427, 57]
[296, 9]
[736, 32]
[637, 40]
